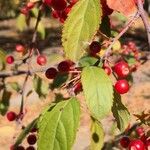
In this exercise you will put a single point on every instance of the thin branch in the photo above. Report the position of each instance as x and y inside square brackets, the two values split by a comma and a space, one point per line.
[144, 18]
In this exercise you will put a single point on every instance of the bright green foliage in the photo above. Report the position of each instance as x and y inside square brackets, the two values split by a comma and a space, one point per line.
[97, 135]
[15, 86]
[40, 86]
[25, 132]
[120, 113]
[58, 126]
[98, 91]
[21, 22]
[81, 25]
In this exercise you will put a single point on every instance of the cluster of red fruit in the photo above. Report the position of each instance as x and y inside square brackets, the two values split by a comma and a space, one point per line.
[25, 10]
[31, 140]
[142, 143]
[41, 59]
[60, 8]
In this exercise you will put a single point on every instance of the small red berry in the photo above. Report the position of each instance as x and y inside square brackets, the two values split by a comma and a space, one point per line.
[31, 139]
[95, 47]
[64, 66]
[107, 70]
[124, 142]
[9, 59]
[136, 145]
[19, 148]
[78, 87]
[147, 144]
[41, 60]
[11, 116]
[140, 131]
[24, 11]
[59, 4]
[122, 86]
[106, 10]
[30, 5]
[30, 148]
[51, 73]
[121, 69]
[20, 48]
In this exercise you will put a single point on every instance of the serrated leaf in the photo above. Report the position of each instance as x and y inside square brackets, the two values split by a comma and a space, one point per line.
[15, 86]
[87, 61]
[25, 132]
[4, 102]
[97, 136]
[40, 86]
[120, 112]
[58, 126]
[21, 22]
[80, 27]
[98, 91]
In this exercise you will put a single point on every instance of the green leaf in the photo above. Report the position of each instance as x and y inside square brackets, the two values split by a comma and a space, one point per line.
[120, 113]
[15, 86]
[41, 30]
[21, 22]
[40, 86]
[58, 126]
[4, 102]
[87, 61]
[97, 135]
[98, 91]
[25, 132]
[80, 27]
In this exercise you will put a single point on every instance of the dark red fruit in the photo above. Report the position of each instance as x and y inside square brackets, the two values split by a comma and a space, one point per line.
[20, 48]
[51, 73]
[106, 10]
[9, 59]
[121, 69]
[78, 87]
[30, 5]
[31, 139]
[95, 47]
[64, 66]
[124, 142]
[136, 145]
[19, 148]
[41, 60]
[11, 116]
[140, 131]
[55, 14]
[30, 148]
[107, 70]
[59, 5]
[122, 86]
[147, 144]
[33, 130]
[48, 2]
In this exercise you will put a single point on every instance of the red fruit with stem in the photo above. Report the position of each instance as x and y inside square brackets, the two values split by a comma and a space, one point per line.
[59, 5]
[136, 145]
[124, 142]
[121, 69]
[9, 59]
[122, 86]
[20, 48]
[41, 60]
[51, 73]
[11, 116]
[107, 70]
[30, 148]
[64, 66]
[30, 5]
[31, 139]
[95, 47]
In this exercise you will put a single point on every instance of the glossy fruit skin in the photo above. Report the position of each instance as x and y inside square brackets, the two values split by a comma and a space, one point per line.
[136, 145]
[64, 66]
[11, 116]
[9, 59]
[140, 131]
[121, 69]
[41, 60]
[95, 47]
[31, 139]
[20, 48]
[107, 70]
[59, 5]
[30, 5]
[122, 86]
[51, 73]
[124, 142]
[30, 148]
[147, 144]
